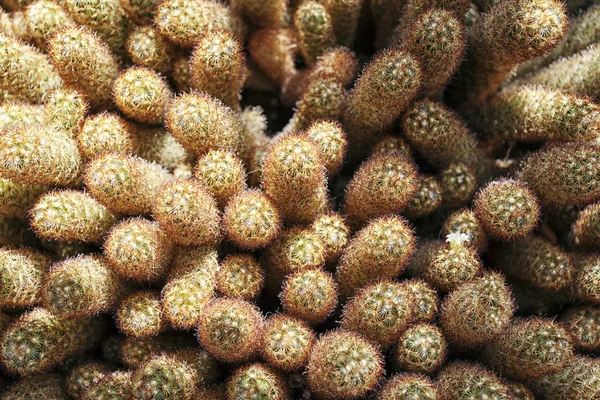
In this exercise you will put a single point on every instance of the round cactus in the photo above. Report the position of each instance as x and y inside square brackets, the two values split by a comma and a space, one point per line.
[140, 314]
[459, 184]
[407, 386]
[208, 369]
[112, 386]
[583, 322]
[463, 380]
[586, 285]
[223, 174]
[104, 133]
[334, 233]
[84, 376]
[22, 272]
[425, 302]
[286, 342]
[332, 142]
[148, 48]
[256, 381]
[240, 276]
[66, 109]
[164, 376]
[422, 348]
[310, 295]
[464, 221]
[427, 199]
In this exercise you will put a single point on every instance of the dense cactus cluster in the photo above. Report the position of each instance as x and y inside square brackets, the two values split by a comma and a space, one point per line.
[299, 199]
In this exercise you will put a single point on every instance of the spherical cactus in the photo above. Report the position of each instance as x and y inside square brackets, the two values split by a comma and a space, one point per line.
[140, 314]
[463, 380]
[384, 184]
[331, 228]
[586, 284]
[343, 365]
[125, 184]
[477, 311]
[223, 174]
[104, 133]
[445, 265]
[138, 249]
[530, 349]
[218, 67]
[84, 61]
[465, 222]
[257, 381]
[583, 322]
[148, 48]
[84, 376]
[230, 329]
[112, 386]
[459, 184]
[22, 272]
[240, 276]
[332, 143]
[164, 377]
[208, 370]
[536, 261]
[81, 287]
[134, 352]
[156, 144]
[507, 209]
[427, 199]
[392, 144]
[190, 286]
[293, 175]
[17, 198]
[188, 213]
[286, 342]
[380, 312]
[425, 302]
[66, 109]
[36, 387]
[577, 380]
[310, 295]
[184, 22]
[519, 391]
[142, 95]
[382, 249]
[408, 386]
[422, 348]
[15, 113]
[41, 155]
[564, 174]
[71, 215]
[585, 231]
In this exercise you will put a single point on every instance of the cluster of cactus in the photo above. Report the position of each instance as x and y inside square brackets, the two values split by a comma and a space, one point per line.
[299, 199]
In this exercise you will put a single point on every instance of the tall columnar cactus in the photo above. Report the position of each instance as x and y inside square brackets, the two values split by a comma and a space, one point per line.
[22, 272]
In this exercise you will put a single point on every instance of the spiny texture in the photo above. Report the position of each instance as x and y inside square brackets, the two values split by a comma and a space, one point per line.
[463, 380]
[422, 348]
[270, 13]
[286, 342]
[17, 198]
[113, 386]
[22, 272]
[140, 314]
[315, 30]
[425, 303]
[382, 249]
[66, 109]
[459, 184]
[71, 215]
[223, 174]
[310, 295]
[384, 184]
[343, 365]
[380, 312]
[83, 376]
[427, 199]
[240, 276]
[583, 322]
[579, 379]
[585, 231]
[464, 221]
[257, 381]
[530, 349]
[408, 386]
[37, 387]
[333, 231]
[344, 18]
[477, 311]
[164, 377]
[507, 209]
[148, 48]
[586, 284]
[104, 133]
[565, 174]
[332, 142]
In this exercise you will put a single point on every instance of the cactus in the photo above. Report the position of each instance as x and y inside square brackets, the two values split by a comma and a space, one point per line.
[66, 109]
[425, 302]
[124, 184]
[427, 199]
[310, 295]
[112, 386]
[16, 198]
[343, 365]
[458, 183]
[13, 113]
[157, 145]
[331, 140]
[422, 348]
[138, 249]
[577, 380]
[271, 50]
[22, 272]
[230, 329]
[142, 95]
[181, 73]
[240, 276]
[382, 249]
[223, 174]
[384, 184]
[530, 349]
[585, 231]
[71, 215]
[286, 342]
[140, 314]
[465, 222]
[507, 209]
[583, 322]
[162, 377]
[407, 386]
[586, 283]
[463, 380]
[344, 18]
[208, 369]
[147, 48]
[84, 376]
[392, 144]
[476, 312]
[37, 387]
[84, 61]
[333, 231]
[380, 312]
[315, 30]
[257, 381]
[104, 133]
[188, 213]
[218, 67]
[40, 155]
[269, 13]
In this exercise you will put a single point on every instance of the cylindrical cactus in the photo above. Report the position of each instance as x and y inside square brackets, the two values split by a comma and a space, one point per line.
[406, 386]
[66, 109]
[425, 303]
[577, 380]
[112, 386]
[585, 231]
[583, 322]
[459, 183]
[586, 284]
[148, 48]
[17, 198]
[22, 272]
[41, 386]
[105, 133]
[223, 174]
[333, 231]
[81, 378]
[344, 18]
[463, 380]
[315, 30]
[270, 13]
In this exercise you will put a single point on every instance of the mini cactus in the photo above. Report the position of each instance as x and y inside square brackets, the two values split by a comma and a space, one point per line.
[343, 365]
[286, 342]
[218, 67]
[138, 249]
[577, 380]
[256, 381]
[16, 198]
[14, 113]
[84, 376]
[425, 302]
[188, 213]
[112, 386]
[124, 184]
[147, 48]
[586, 283]
[585, 231]
[315, 30]
[269, 13]
[406, 386]
[382, 249]
[380, 312]
[476, 312]
[36, 387]
[310, 295]
[223, 174]
[507, 209]
[459, 184]
[269, 44]
[80, 287]
[427, 199]
[142, 95]
[66, 109]
[583, 322]
[392, 144]
[162, 377]
[464, 221]
[422, 348]
[208, 369]
[333, 231]
[463, 380]
[384, 184]
[140, 314]
[344, 18]
[71, 215]
[230, 329]
[240, 276]
[22, 272]
[331, 140]
[156, 144]
[104, 133]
